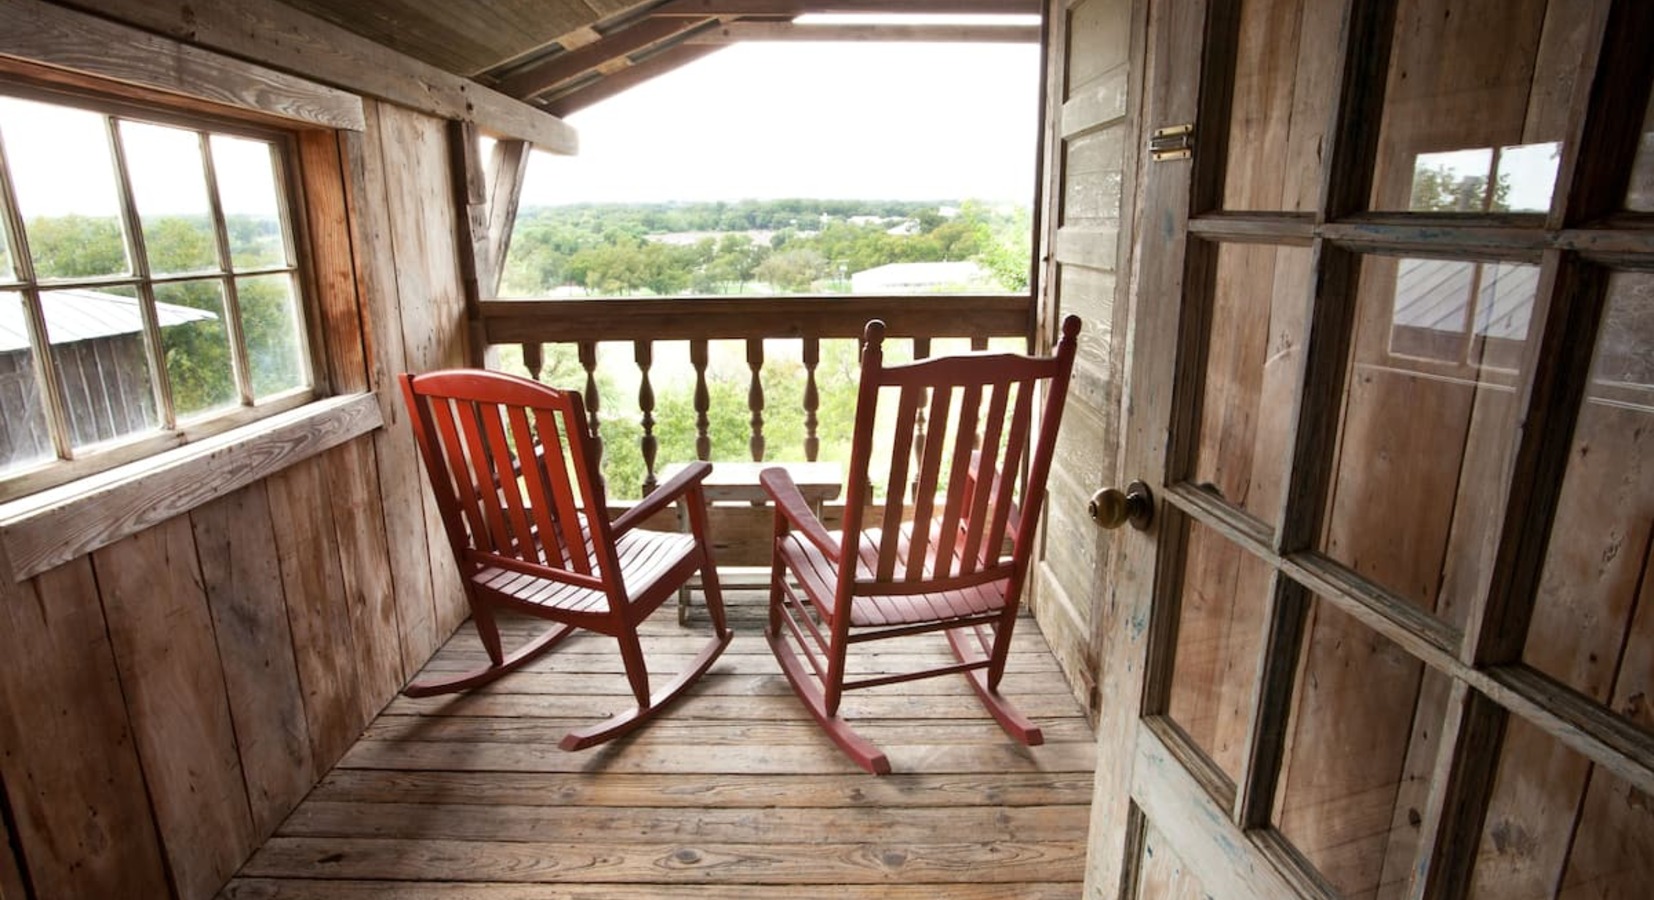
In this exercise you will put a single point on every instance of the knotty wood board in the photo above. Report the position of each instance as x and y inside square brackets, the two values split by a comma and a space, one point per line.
[82, 817]
[422, 232]
[173, 680]
[241, 576]
[325, 646]
[409, 546]
[364, 564]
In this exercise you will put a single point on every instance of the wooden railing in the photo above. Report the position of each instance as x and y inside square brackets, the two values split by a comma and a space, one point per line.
[642, 322]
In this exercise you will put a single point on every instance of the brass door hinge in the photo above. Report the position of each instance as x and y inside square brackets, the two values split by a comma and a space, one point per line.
[1172, 142]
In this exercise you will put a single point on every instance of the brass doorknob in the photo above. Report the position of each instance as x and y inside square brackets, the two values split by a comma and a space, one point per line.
[1112, 507]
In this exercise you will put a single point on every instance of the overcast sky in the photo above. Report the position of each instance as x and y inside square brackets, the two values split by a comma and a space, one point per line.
[830, 120]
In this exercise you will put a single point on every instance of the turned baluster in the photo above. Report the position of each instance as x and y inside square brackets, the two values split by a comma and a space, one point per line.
[812, 400]
[643, 352]
[921, 350]
[755, 397]
[534, 359]
[588, 361]
[703, 400]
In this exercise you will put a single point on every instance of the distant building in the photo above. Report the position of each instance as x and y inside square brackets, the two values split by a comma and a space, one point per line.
[920, 277]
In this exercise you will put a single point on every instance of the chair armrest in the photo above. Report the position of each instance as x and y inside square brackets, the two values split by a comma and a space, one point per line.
[663, 496]
[791, 506]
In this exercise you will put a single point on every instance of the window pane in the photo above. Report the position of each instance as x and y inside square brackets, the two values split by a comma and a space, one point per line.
[170, 190]
[1257, 329]
[275, 343]
[196, 344]
[98, 346]
[1283, 90]
[1225, 602]
[1557, 826]
[1362, 740]
[1640, 196]
[65, 183]
[24, 437]
[1476, 105]
[1428, 421]
[252, 207]
[1594, 612]
[7, 272]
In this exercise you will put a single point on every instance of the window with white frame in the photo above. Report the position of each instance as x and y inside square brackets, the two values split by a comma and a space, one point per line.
[149, 289]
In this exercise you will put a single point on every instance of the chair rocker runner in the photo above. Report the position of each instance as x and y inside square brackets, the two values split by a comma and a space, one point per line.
[970, 447]
[514, 473]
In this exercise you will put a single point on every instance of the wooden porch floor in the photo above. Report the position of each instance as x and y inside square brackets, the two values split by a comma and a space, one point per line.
[733, 792]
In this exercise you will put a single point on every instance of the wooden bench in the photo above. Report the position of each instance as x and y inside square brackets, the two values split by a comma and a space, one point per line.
[737, 483]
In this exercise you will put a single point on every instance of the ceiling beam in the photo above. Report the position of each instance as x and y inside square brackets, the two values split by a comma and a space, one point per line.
[628, 77]
[736, 32]
[283, 37]
[704, 8]
[542, 77]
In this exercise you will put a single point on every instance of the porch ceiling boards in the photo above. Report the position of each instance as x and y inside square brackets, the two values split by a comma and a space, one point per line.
[735, 792]
[564, 55]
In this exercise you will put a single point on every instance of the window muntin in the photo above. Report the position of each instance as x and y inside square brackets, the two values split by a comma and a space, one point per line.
[154, 257]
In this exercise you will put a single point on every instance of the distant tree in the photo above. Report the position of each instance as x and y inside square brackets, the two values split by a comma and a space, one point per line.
[1441, 189]
[793, 270]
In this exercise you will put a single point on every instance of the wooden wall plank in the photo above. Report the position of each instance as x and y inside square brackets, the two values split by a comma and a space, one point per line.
[242, 578]
[70, 768]
[11, 870]
[162, 633]
[409, 547]
[42, 32]
[331, 261]
[422, 220]
[319, 615]
[364, 557]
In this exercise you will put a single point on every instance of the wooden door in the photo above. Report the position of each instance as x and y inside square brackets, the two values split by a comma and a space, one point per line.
[1390, 632]
[1083, 247]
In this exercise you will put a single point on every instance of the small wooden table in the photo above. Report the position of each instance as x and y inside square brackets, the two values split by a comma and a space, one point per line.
[737, 482]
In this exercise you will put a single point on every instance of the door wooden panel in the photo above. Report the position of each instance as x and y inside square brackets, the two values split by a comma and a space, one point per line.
[1087, 142]
[1392, 594]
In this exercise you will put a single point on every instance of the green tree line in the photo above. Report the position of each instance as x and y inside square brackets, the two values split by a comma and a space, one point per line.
[812, 245]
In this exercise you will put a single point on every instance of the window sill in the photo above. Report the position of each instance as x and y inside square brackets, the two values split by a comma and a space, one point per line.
[54, 526]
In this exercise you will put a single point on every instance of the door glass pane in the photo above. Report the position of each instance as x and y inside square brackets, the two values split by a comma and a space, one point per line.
[1285, 81]
[1258, 310]
[196, 345]
[1428, 421]
[1162, 874]
[1595, 605]
[169, 187]
[72, 233]
[1361, 745]
[1557, 826]
[24, 438]
[97, 339]
[1640, 196]
[1221, 619]
[275, 343]
[252, 206]
[1476, 104]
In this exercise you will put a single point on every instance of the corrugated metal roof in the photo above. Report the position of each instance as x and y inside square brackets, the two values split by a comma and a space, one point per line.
[81, 315]
[1435, 294]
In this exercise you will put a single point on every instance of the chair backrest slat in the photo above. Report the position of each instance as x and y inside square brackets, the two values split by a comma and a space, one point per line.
[507, 462]
[924, 501]
[979, 475]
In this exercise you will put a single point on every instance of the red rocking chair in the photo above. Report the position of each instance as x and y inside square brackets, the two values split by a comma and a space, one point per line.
[935, 564]
[513, 470]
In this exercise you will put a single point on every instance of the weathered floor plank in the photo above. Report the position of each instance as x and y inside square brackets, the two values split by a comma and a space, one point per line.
[733, 792]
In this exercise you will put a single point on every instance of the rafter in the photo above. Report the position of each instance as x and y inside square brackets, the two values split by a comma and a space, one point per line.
[565, 67]
[736, 32]
[790, 8]
[632, 75]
